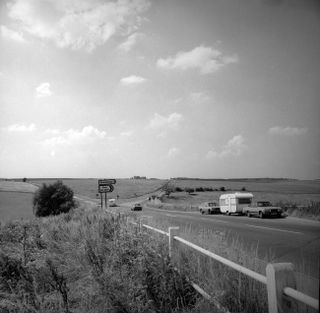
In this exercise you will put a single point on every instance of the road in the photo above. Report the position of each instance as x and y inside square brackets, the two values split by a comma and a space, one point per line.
[288, 239]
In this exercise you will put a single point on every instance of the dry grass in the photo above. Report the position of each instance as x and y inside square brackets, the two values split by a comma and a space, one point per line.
[86, 261]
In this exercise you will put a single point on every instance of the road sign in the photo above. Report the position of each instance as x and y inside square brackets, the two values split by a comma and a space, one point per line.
[105, 188]
[105, 182]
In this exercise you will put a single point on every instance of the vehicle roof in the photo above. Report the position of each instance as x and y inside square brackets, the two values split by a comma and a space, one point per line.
[237, 195]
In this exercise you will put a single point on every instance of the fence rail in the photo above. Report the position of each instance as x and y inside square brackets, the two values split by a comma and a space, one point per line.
[280, 279]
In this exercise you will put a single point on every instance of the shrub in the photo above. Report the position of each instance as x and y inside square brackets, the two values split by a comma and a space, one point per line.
[189, 190]
[243, 189]
[199, 189]
[222, 189]
[178, 189]
[53, 199]
[24, 180]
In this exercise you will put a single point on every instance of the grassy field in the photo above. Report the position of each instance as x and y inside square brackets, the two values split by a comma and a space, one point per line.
[124, 188]
[299, 198]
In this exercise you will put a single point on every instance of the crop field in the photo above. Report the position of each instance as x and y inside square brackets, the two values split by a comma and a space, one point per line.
[124, 188]
[286, 191]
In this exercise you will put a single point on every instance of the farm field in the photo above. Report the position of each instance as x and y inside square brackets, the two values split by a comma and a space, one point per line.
[124, 188]
[297, 192]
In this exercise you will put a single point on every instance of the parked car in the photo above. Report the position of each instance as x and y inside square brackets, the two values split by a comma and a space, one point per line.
[263, 209]
[137, 207]
[209, 208]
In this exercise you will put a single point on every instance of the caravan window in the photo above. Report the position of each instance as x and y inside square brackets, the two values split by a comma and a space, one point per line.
[244, 200]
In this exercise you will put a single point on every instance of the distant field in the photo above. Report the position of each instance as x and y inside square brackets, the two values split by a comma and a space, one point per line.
[15, 206]
[125, 188]
[293, 191]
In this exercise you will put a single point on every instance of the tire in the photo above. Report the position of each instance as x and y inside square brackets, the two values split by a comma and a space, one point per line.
[248, 214]
[202, 212]
[260, 214]
[227, 213]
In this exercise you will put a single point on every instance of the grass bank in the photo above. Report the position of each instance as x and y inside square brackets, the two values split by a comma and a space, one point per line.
[87, 261]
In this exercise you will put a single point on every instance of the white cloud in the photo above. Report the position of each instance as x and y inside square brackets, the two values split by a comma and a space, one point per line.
[206, 59]
[287, 131]
[77, 24]
[43, 90]
[199, 97]
[234, 147]
[11, 34]
[128, 44]
[131, 80]
[21, 128]
[170, 122]
[128, 133]
[173, 152]
[70, 137]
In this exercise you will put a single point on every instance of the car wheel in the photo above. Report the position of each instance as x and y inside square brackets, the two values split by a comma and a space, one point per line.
[227, 213]
[248, 214]
[202, 212]
[260, 214]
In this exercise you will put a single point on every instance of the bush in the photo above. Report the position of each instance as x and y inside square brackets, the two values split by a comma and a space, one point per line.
[199, 189]
[178, 189]
[189, 190]
[222, 189]
[53, 199]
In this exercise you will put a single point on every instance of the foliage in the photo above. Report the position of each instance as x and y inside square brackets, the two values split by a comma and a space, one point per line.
[53, 199]
[189, 190]
[88, 262]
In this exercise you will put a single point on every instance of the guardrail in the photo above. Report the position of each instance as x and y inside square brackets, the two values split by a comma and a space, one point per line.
[280, 278]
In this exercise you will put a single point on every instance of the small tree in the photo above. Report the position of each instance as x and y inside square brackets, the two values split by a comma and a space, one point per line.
[24, 180]
[53, 199]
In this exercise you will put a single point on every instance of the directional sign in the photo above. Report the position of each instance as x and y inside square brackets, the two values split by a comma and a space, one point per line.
[105, 182]
[105, 188]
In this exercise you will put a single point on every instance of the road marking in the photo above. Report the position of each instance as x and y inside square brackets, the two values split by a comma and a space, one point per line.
[214, 220]
[171, 215]
[277, 229]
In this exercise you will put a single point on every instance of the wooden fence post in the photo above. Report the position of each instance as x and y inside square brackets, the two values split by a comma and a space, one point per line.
[173, 231]
[279, 276]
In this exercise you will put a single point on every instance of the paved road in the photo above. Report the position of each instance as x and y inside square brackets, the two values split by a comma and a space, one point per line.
[287, 239]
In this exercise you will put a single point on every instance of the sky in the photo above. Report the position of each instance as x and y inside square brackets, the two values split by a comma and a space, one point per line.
[160, 88]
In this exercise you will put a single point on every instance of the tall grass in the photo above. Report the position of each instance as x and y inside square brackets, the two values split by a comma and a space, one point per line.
[86, 261]
[310, 210]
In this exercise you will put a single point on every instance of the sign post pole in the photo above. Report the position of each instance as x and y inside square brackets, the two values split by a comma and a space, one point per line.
[105, 186]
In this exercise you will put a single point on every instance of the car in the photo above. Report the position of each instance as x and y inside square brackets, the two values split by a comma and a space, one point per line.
[137, 207]
[263, 209]
[209, 208]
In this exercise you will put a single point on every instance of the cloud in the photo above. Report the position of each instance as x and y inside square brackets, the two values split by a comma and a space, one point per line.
[199, 97]
[11, 34]
[70, 137]
[173, 152]
[131, 80]
[206, 59]
[126, 133]
[287, 131]
[234, 147]
[131, 40]
[43, 90]
[172, 121]
[77, 24]
[21, 128]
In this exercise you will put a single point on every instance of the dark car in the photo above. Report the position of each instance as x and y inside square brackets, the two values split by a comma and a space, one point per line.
[137, 207]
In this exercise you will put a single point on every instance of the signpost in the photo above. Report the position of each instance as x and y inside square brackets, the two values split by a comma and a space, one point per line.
[105, 186]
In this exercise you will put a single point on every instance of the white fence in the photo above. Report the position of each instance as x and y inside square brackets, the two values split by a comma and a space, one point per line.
[280, 278]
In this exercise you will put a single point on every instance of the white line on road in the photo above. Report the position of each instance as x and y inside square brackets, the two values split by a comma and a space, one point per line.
[277, 229]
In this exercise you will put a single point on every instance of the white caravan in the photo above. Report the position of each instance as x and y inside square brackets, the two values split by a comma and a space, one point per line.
[234, 202]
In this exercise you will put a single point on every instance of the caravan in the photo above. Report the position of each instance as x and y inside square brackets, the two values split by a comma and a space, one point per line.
[234, 202]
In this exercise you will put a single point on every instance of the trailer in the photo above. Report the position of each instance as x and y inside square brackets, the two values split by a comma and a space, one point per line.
[233, 203]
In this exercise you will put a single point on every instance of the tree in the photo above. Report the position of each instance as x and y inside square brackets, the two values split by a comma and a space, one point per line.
[53, 199]
[24, 179]
[168, 188]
